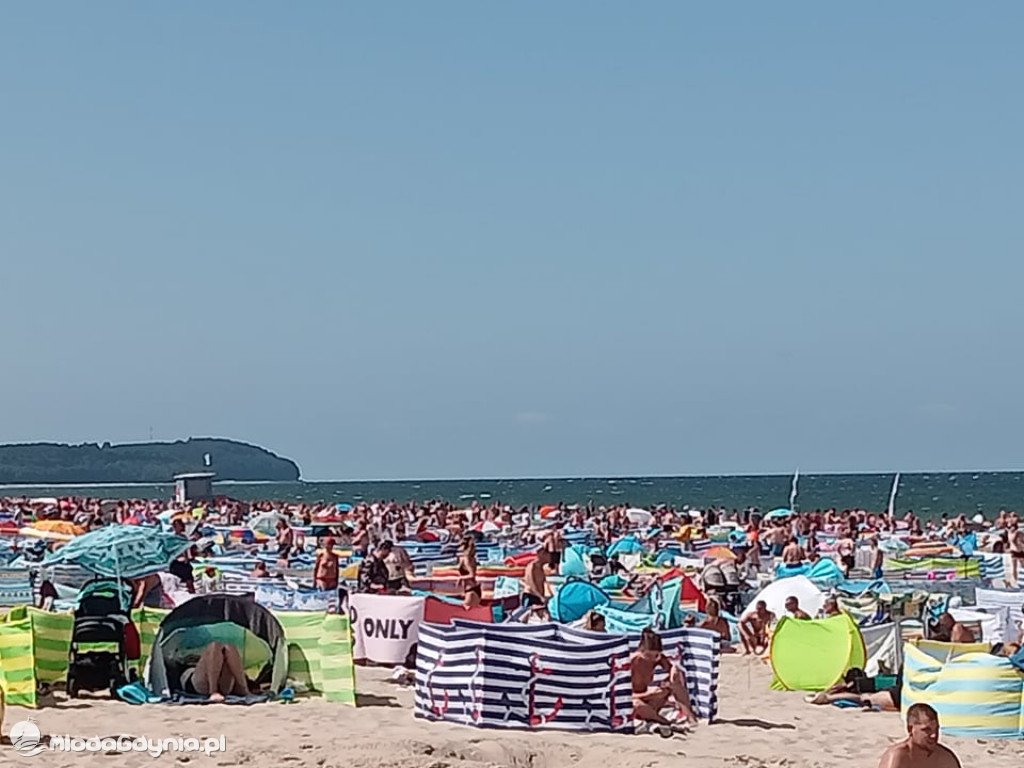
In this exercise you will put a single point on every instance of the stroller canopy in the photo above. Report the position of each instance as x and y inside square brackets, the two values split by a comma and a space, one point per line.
[220, 617]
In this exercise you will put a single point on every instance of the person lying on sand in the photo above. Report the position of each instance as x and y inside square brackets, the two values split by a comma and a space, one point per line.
[219, 672]
[650, 699]
[921, 748]
[754, 629]
[861, 689]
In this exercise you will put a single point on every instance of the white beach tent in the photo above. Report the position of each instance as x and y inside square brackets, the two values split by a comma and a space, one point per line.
[811, 598]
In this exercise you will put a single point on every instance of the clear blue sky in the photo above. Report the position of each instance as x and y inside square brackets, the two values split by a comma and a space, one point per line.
[467, 239]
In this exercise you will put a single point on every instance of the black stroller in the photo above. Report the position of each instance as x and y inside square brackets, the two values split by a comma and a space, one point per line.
[101, 619]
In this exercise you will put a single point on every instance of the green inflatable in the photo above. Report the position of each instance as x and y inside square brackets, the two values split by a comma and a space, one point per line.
[813, 655]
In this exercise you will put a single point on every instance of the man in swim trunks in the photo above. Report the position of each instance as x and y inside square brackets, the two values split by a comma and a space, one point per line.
[650, 699]
[845, 548]
[793, 554]
[325, 571]
[777, 538]
[535, 580]
[921, 748]
[754, 629]
[1015, 541]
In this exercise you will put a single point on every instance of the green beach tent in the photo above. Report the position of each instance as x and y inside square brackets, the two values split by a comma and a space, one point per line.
[811, 655]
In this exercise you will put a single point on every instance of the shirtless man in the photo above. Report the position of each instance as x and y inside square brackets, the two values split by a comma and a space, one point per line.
[793, 608]
[876, 559]
[535, 580]
[793, 554]
[921, 748]
[325, 570]
[777, 536]
[1016, 546]
[648, 699]
[754, 629]
[846, 549]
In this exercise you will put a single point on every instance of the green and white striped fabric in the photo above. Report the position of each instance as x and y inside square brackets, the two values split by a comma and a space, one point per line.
[34, 648]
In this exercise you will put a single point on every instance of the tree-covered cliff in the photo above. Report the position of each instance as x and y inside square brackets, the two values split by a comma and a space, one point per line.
[56, 464]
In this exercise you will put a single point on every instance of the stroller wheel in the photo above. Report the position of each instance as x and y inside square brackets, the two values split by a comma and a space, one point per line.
[72, 687]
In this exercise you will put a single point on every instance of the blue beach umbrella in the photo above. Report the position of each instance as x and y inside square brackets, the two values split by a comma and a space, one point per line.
[121, 551]
[779, 514]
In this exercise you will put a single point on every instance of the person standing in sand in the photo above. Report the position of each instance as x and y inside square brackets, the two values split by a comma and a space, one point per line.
[325, 571]
[1015, 543]
[535, 580]
[793, 554]
[921, 748]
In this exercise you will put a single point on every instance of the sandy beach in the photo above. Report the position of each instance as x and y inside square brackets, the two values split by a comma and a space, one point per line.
[758, 727]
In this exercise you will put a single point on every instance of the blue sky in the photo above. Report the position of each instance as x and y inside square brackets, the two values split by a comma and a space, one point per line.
[470, 239]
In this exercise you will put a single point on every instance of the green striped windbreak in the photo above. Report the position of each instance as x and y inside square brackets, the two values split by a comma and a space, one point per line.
[34, 648]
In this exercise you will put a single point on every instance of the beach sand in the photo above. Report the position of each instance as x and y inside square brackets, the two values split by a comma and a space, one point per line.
[757, 727]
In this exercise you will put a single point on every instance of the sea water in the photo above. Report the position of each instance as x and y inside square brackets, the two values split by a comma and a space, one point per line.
[928, 494]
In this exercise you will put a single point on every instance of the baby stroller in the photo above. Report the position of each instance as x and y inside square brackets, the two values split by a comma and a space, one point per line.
[102, 618]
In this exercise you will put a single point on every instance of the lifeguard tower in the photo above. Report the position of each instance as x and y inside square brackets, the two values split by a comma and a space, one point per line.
[193, 486]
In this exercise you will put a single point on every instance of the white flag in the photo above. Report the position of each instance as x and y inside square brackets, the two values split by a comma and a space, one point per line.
[892, 493]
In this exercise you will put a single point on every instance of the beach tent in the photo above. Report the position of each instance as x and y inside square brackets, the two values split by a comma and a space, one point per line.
[627, 545]
[575, 599]
[573, 565]
[235, 619]
[774, 595]
[977, 695]
[813, 655]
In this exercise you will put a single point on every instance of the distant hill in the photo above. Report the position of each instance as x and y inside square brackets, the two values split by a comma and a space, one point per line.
[57, 464]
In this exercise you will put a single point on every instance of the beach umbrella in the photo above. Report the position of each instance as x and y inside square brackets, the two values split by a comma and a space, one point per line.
[487, 526]
[266, 523]
[893, 545]
[639, 517]
[779, 514]
[719, 553]
[35, 533]
[121, 551]
[58, 526]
